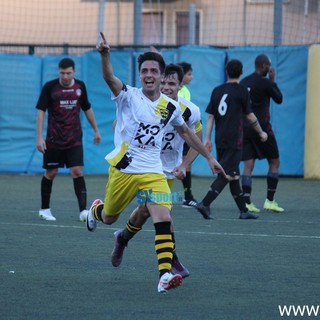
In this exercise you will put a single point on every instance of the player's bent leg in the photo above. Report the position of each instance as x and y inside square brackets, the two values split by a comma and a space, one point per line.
[94, 214]
[106, 219]
[139, 216]
[179, 268]
[137, 219]
[119, 245]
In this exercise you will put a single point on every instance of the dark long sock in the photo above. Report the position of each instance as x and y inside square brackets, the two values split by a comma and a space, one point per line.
[163, 246]
[129, 232]
[272, 183]
[187, 186]
[46, 188]
[237, 195]
[215, 189]
[175, 256]
[246, 182]
[97, 211]
[80, 190]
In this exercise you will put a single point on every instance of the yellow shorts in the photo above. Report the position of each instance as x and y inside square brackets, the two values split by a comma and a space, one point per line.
[122, 188]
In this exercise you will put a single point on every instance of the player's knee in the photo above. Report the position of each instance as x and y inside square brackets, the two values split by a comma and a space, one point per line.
[248, 167]
[143, 211]
[51, 174]
[274, 165]
[76, 172]
[109, 219]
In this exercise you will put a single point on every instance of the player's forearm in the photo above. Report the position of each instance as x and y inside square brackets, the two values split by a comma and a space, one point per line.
[192, 154]
[107, 69]
[276, 94]
[209, 127]
[194, 142]
[256, 126]
[190, 157]
[92, 120]
[39, 125]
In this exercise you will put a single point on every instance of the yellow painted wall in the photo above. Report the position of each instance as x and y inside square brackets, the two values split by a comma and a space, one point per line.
[312, 129]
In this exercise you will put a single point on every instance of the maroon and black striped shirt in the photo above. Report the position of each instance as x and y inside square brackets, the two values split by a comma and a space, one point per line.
[63, 104]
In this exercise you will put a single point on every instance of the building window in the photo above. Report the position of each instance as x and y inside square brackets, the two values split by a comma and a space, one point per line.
[152, 28]
[182, 28]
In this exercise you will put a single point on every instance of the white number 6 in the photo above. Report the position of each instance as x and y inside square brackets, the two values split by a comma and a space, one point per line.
[223, 105]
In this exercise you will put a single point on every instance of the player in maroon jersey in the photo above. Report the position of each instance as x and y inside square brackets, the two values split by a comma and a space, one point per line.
[63, 98]
[228, 104]
[262, 87]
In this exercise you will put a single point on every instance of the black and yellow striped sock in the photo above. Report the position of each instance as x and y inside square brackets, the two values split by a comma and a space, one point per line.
[129, 231]
[163, 246]
[174, 245]
[97, 211]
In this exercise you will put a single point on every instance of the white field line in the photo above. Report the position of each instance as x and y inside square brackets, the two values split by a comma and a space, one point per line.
[226, 234]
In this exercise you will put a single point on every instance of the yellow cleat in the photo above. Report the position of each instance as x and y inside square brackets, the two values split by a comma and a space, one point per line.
[272, 205]
[251, 207]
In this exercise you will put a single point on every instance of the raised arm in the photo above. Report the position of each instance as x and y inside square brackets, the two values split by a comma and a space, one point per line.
[114, 83]
[274, 90]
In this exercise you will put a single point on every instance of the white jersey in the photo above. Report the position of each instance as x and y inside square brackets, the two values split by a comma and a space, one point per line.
[172, 145]
[141, 124]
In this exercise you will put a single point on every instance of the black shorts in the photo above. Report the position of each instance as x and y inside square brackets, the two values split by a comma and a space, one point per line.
[230, 160]
[57, 158]
[254, 148]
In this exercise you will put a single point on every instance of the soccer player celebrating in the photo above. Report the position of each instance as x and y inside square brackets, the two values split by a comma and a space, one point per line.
[135, 164]
[171, 157]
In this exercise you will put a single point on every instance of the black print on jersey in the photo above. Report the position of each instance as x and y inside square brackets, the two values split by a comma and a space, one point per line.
[186, 114]
[146, 134]
[168, 137]
[124, 162]
[124, 87]
[168, 114]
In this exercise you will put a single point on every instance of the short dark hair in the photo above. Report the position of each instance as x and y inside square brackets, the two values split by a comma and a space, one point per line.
[185, 66]
[66, 63]
[260, 60]
[172, 69]
[153, 56]
[234, 68]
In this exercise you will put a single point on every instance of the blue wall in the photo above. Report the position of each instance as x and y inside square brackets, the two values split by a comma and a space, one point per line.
[22, 77]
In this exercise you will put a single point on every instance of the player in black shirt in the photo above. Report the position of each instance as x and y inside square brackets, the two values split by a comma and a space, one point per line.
[228, 104]
[63, 98]
[261, 89]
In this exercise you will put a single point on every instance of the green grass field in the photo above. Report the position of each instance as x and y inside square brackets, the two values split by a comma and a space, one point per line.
[240, 269]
